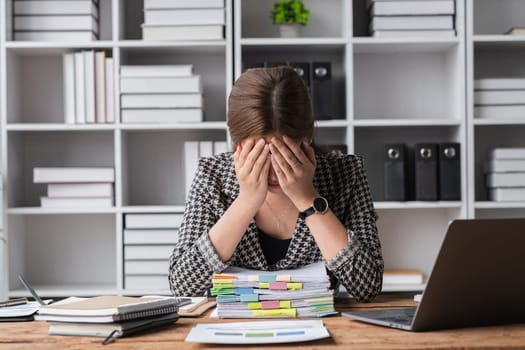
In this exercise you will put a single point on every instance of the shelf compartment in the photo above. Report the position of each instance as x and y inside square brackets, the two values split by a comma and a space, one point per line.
[499, 211]
[409, 85]
[59, 252]
[327, 19]
[403, 45]
[178, 126]
[46, 211]
[51, 149]
[58, 127]
[153, 209]
[497, 17]
[499, 62]
[382, 122]
[153, 165]
[417, 205]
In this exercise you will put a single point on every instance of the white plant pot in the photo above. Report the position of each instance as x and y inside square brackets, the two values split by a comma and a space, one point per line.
[289, 30]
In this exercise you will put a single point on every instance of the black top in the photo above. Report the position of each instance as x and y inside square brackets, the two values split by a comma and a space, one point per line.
[274, 249]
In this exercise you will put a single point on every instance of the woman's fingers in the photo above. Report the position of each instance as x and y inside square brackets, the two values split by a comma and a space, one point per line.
[261, 160]
[296, 150]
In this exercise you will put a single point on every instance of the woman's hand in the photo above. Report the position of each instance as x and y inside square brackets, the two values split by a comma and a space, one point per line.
[294, 164]
[252, 166]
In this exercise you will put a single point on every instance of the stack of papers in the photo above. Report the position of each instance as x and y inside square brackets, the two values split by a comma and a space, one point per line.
[245, 293]
[17, 313]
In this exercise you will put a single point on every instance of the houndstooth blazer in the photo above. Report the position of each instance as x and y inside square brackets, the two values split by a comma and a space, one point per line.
[339, 178]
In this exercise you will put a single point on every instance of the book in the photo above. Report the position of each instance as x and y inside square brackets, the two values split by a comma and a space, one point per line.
[196, 307]
[72, 36]
[406, 276]
[147, 282]
[110, 91]
[69, 87]
[152, 85]
[88, 189]
[509, 194]
[100, 87]
[406, 8]
[105, 329]
[146, 267]
[51, 23]
[516, 31]
[161, 101]
[107, 308]
[500, 111]
[174, 4]
[191, 162]
[499, 84]
[150, 236]
[80, 94]
[184, 17]
[164, 115]
[444, 33]
[149, 221]
[148, 252]
[507, 153]
[73, 174]
[411, 22]
[499, 97]
[505, 165]
[505, 180]
[89, 85]
[161, 71]
[48, 7]
[194, 32]
[79, 202]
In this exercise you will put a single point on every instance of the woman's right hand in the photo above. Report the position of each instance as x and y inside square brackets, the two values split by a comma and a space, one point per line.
[252, 166]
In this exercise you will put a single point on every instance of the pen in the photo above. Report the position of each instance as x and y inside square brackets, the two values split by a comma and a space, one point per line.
[31, 290]
[13, 302]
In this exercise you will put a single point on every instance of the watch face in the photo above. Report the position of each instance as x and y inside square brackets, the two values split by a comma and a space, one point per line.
[320, 204]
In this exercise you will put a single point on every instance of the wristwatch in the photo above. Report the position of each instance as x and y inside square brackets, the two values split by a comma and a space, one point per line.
[320, 205]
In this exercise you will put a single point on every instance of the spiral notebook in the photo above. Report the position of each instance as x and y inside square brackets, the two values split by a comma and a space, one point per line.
[107, 308]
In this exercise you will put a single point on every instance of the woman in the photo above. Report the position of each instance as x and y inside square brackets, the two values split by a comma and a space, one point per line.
[277, 202]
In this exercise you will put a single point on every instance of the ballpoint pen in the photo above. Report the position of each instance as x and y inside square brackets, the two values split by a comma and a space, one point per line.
[31, 290]
[13, 302]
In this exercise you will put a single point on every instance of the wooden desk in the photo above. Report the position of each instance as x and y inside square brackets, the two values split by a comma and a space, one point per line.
[346, 334]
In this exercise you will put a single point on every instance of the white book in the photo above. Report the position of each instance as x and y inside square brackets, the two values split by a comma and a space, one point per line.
[85, 7]
[69, 88]
[110, 91]
[100, 87]
[191, 162]
[500, 84]
[220, 147]
[73, 174]
[409, 276]
[411, 8]
[79, 202]
[371, 2]
[445, 33]
[71, 36]
[136, 71]
[50, 23]
[146, 267]
[149, 221]
[147, 283]
[166, 85]
[499, 97]
[174, 4]
[204, 32]
[507, 153]
[412, 22]
[505, 180]
[94, 189]
[148, 252]
[172, 115]
[500, 112]
[205, 149]
[161, 101]
[505, 165]
[185, 17]
[150, 236]
[510, 194]
[89, 81]
[80, 96]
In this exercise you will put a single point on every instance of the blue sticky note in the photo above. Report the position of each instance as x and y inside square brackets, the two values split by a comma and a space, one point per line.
[267, 278]
[246, 298]
[240, 291]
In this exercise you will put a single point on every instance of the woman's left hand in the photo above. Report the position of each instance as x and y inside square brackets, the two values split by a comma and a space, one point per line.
[294, 164]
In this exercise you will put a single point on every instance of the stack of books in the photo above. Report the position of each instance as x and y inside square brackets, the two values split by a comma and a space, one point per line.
[194, 150]
[160, 94]
[505, 174]
[110, 315]
[402, 278]
[149, 240]
[74, 187]
[411, 18]
[499, 98]
[88, 88]
[45, 20]
[183, 20]
[302, 292]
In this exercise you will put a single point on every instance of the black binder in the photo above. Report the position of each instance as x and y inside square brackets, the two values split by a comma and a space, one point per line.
[426, 171]
[449, 171]
[303, 70]
[321, 90]
[395, 172]
[246, 66]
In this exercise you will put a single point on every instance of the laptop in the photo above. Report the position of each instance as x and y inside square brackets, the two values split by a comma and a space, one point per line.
[478, 279]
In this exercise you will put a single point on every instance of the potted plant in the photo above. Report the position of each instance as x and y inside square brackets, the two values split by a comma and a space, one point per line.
[290, 15]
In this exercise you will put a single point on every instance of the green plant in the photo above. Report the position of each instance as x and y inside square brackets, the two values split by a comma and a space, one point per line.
[289, 12]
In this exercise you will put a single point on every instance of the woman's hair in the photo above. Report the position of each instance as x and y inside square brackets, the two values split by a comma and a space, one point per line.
[264, 101]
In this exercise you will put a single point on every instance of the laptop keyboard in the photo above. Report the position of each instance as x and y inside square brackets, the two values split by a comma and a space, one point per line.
[402, 316]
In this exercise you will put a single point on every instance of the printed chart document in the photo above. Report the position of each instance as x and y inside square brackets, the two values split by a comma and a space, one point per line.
[263, 332]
